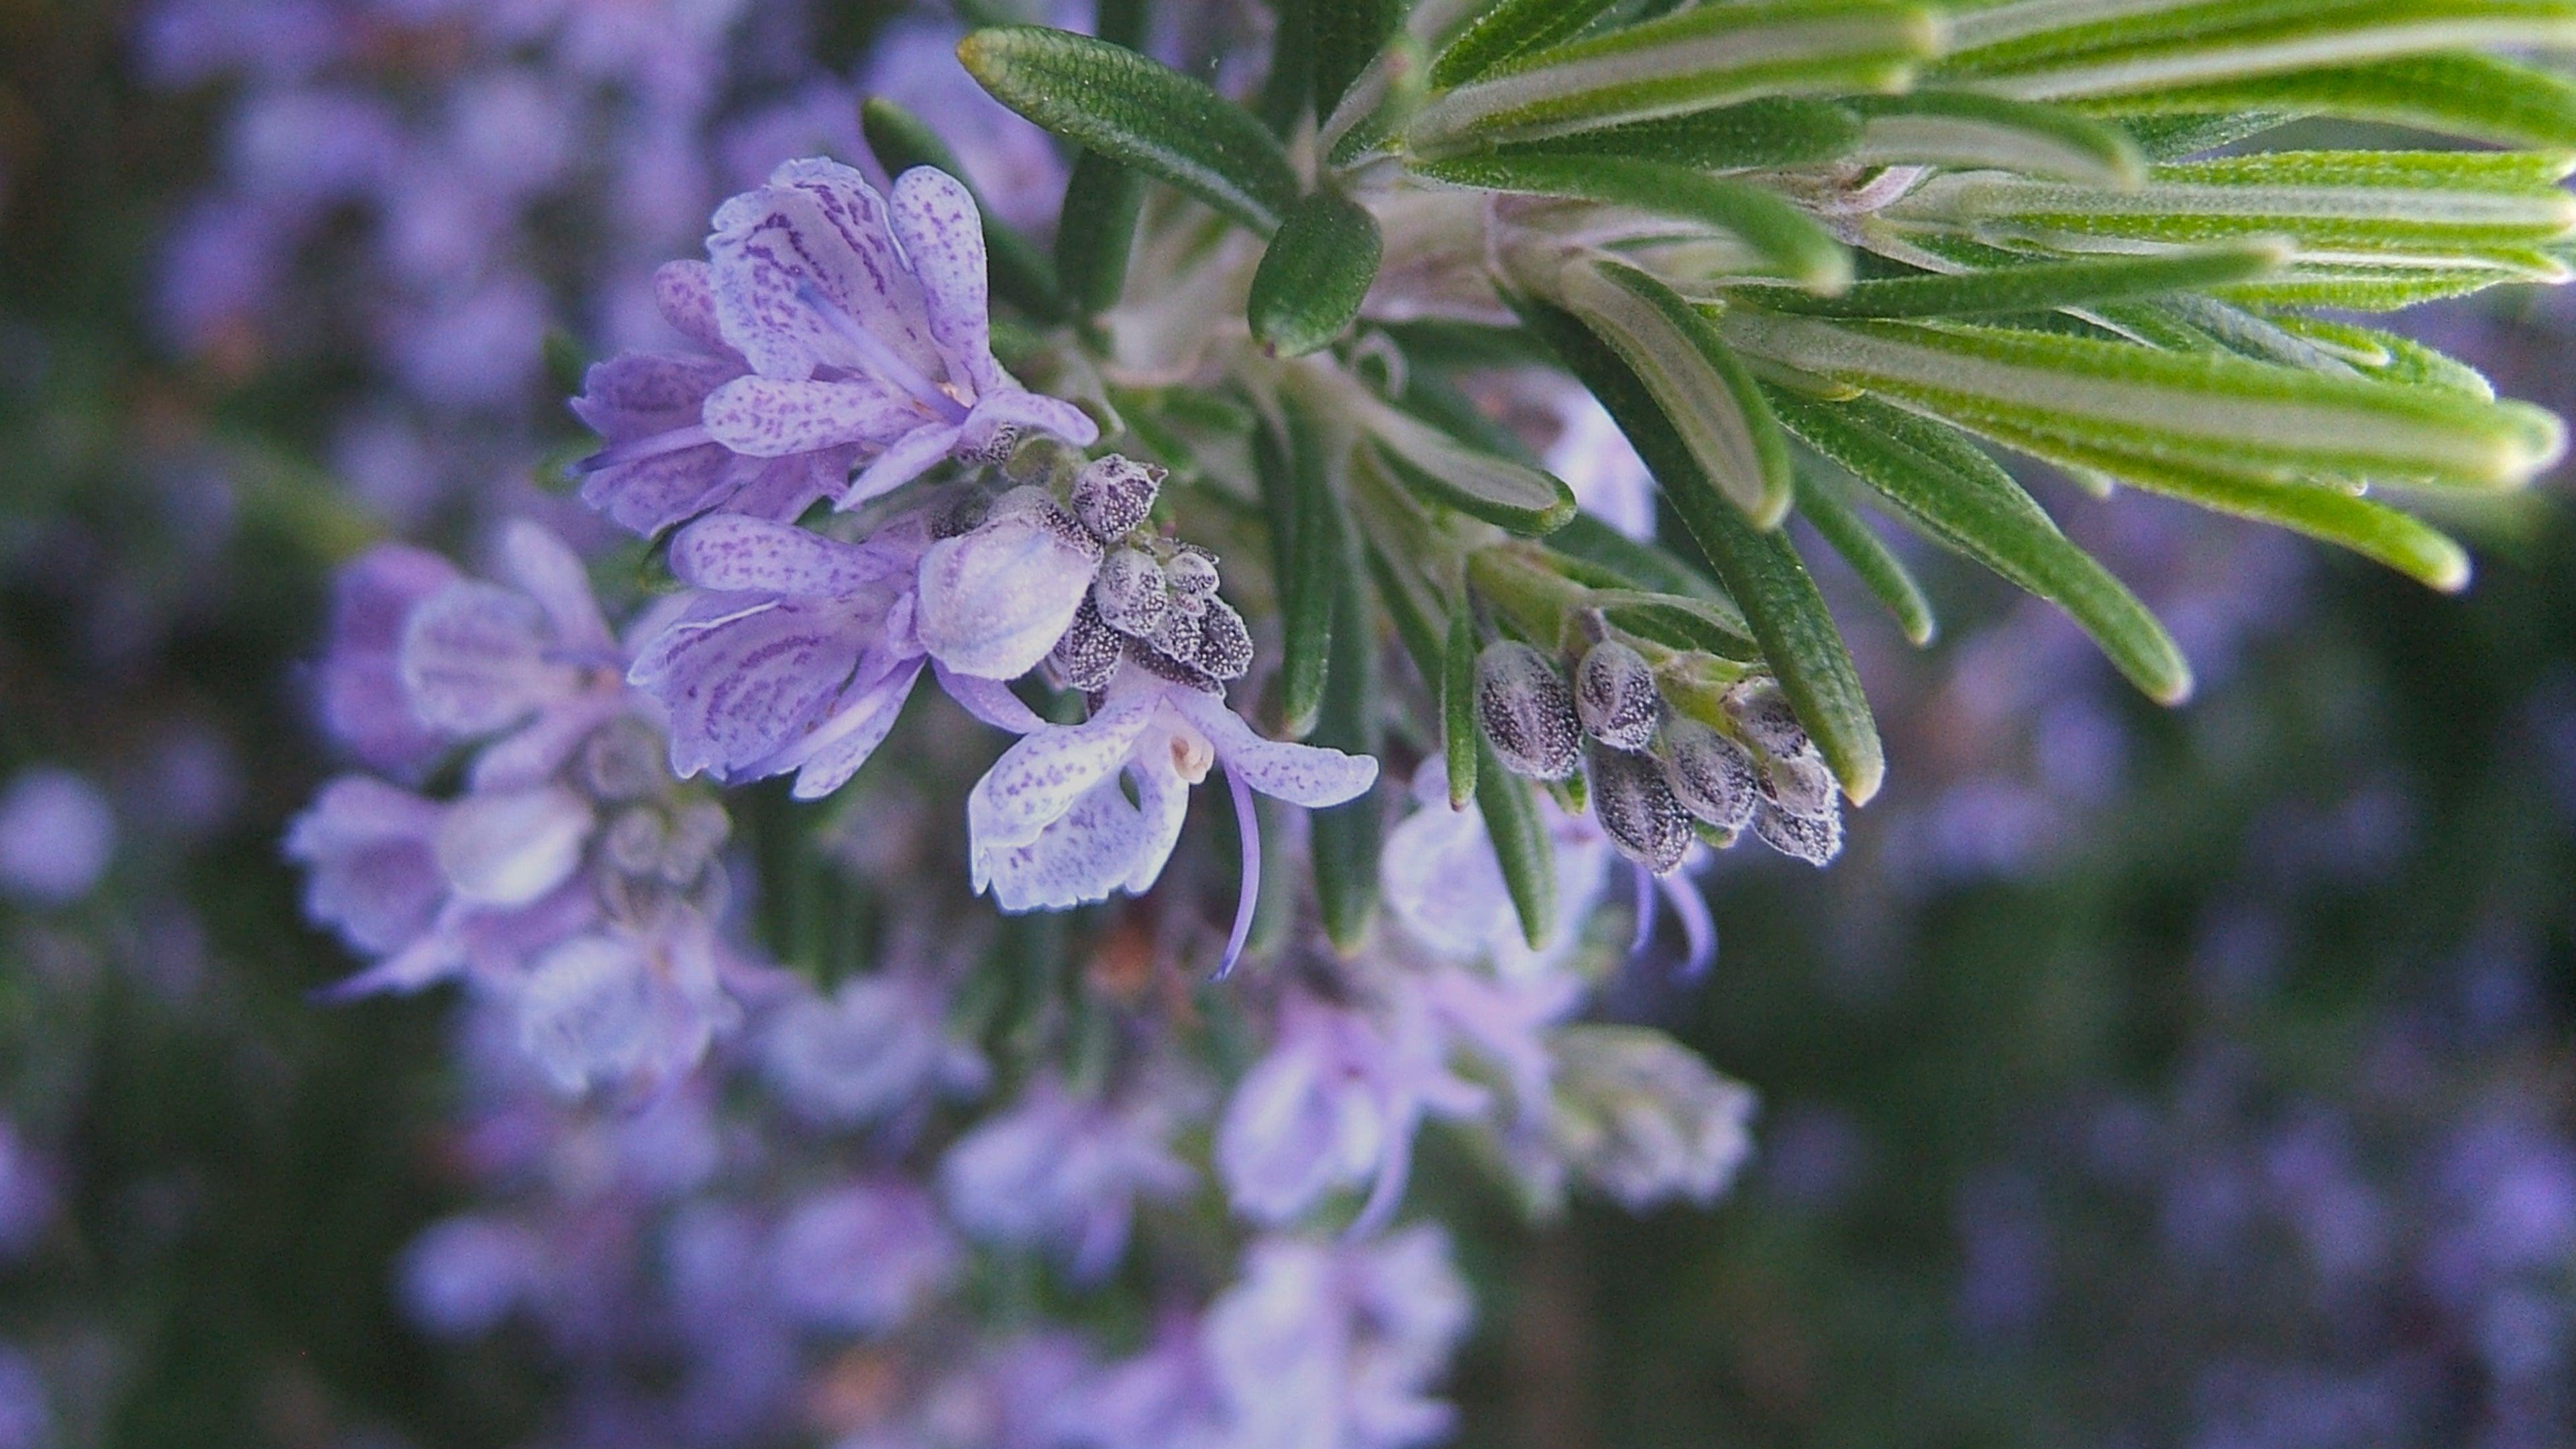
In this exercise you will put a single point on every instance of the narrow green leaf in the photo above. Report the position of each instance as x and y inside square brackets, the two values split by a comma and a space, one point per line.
[1114, 101]
[1633, 564]
[1508, 31]
[1344, 839]
[1761, 570]
[1922, 469]
[1313, 278]
[1789, 242]
[2043, 286]
[1694, 60]
[1348, 35]
[1459, 741]
[1521, 845]
[2373, 530]
[2475, 97]
[1318, 556]
[1881, 571]
[1290, 85]
[1779, 131]
[1020, 272]
[1440, 468]
[1711, 398]
[1102, 200]
[2260, 415]
[1967, 130]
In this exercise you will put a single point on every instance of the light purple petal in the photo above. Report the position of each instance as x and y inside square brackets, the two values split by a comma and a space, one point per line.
[363, 701]
[1016, 407]
[816, 233]
[512, 849]
[652, 493]
[533, 754]
[553, 575]
[1039, 778]
[733, 553]
[942, 234]
[991, 701]
[638, 394]
[1307, 775]
[742, 676]
[768, 417]
[1097, 847]
[842, 744]
[904, 459]
[373, 875]
[995, 600]
[475, 659]
[783, 488]
[685, 294]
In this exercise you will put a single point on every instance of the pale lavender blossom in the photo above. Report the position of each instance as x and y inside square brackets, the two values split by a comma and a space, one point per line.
[1052, 824]
[1063, 1172]
[865, 322]
[658, 467]
[1339, 1344]
[364, 705]
[1641, 1117]
[463, 1275]
[877, 1048]
[57, 837]
[625, 1008]
[861, 1258]
[1444, 882]
[1164, 1397]
[1335, 1104]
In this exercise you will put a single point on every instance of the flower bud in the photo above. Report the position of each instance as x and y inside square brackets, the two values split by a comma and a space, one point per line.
[1130, 593]
[993, 602]
[1193, 577]
[1087, 655]
[1767, 718]
[1640, 1116]
[1800, 785]
[1710, 774]
[1813, 841]
[1526, 712]
[1614, 692]
[1114, 494]
[1637, 809]
[1224, 644]
[623, 760]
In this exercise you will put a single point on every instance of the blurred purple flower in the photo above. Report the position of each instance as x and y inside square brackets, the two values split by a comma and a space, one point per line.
[859, 1259]
[1338, 1345]
[1063, 1172]
[57, 837]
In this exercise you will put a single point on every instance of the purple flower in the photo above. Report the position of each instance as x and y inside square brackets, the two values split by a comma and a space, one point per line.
[1444, 882]
[1640, 1116]
[464, 1274]
[622, 1009]
[1334, 1104]
[865, 322]
[364, 703]
[1052, 824]
[1166, 1397]
[859, 1259]
[876, 1048]
[57, 837]
[660, 467]
[1063, 1172]
[1336, 1346]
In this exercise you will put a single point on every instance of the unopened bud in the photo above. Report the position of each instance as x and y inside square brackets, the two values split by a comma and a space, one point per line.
[1710, 774]
[1114, 494]
[1131, 594]
[1800, 785]
[1225, 645]
[1039, 507]
[1193, 577]
[1813, 841]
[1767, 718]
[960, 514]
[1614, 692]
[1526, 712]
[1087, 655]
[1637, 809]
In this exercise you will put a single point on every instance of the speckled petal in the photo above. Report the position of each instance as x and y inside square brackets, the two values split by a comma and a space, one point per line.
[1015, 408]
[943, 237]
[904, 459]
[554, 576]
[1039, 778]
[730, 552]
[650, 494]
[474, 659]
[684, 292]
[638, 394]
[743, 675]
[1307, 775]
[845, 741]
[816, 234]
[768, 417]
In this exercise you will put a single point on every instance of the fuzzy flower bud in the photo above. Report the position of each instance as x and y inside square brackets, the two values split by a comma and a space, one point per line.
[1815, 841]
[1192, 573]
[1800, 785]
[1131, 594]
[1526, 712]
[1088, 654]
[1113, 495]
[1710, 774]
[1614, 692]
[1637, 809]
[1767, 718]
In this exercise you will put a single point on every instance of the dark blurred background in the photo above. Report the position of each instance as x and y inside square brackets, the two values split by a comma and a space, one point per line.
[2203, 1077]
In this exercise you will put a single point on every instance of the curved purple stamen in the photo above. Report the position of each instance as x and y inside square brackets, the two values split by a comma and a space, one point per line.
[1697, 926]
[636, 450]
[1250, 890]
[1645, 910]
[878, 357]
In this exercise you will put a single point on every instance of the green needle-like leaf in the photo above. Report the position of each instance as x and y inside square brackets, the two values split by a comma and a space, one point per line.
[1459, 741]
[1885, 575]
[1790, 243]
[1020, 272]
[1966, 130]
[1114, 101]
[1479, 484]
[1315, 275]
[1761, 570]
[1348, 35]
[2043, 286]
[1102, 200]
[1345, 838]
[1317, 557]
[1780, 131]
[1522, 845]
[2475, 97]
[1509, 30]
